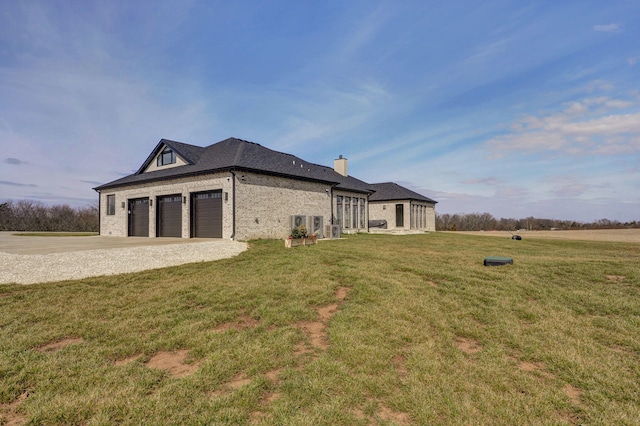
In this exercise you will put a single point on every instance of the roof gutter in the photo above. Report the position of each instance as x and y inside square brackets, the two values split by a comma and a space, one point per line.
[111, 185]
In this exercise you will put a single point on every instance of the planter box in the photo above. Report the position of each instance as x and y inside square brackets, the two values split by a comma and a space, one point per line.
[295, 242]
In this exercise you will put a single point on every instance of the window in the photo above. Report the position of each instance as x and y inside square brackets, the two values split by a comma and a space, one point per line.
[362, 225]
[111, 204]
[355, 212]
[339, 210]
[399, 215]
[166, 157]
[347, 212]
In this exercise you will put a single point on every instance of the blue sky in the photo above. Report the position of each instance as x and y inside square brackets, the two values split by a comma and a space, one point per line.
[513, 108]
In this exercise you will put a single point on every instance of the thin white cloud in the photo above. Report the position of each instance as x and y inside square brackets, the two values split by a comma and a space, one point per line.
[608, 28]
[320, 113]
[633, 60]
[364, 33]
[589, 126]
[491, 181]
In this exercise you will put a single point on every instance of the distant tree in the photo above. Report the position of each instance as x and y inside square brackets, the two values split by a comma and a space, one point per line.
[27, 215]
[486, 222]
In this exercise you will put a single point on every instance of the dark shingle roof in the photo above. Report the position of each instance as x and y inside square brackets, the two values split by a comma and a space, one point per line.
[392, 191]
[237, 155]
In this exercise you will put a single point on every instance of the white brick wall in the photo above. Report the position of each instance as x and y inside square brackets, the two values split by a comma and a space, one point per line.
[117, 225]
[264, 204]
[386, 210]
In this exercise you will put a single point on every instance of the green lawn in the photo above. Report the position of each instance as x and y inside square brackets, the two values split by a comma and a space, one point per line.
[365, 330]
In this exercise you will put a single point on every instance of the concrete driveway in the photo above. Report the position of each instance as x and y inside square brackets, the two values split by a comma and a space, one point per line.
[30, 260]
[14, 244]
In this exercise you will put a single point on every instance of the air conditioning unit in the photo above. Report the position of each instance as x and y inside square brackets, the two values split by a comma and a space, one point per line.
[316, 226]
[333, 231]
[297, 220]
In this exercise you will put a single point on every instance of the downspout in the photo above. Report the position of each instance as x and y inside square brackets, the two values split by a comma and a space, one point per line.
[99, 213]
[331, 201]
[233, 205]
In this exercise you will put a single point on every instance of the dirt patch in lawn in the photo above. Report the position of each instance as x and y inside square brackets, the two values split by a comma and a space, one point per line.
[467, 345]
[389, 415]
[383, 413]
[316, 330]
[573, 393]
[399, 362]
[173, 363]
[59, 344]
[8, 414]
[128, 360]
[538, 367]
[615, 277]
[244, 321]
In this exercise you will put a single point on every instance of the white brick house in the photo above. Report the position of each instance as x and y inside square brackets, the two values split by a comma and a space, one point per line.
[232, 189]
[401, 209]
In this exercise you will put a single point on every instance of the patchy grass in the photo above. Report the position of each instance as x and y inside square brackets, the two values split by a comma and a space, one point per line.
[55, 234]
[371, 329]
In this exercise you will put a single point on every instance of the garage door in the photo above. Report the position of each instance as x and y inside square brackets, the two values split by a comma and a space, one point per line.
[169, 216]
[206, 217]
[139, 217]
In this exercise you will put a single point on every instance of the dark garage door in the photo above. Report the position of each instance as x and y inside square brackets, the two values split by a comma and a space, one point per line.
[170, 216]
[206, 216]
[139, 217]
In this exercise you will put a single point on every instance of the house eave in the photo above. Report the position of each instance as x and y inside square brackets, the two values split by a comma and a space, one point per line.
[403, 199]
[152, 179]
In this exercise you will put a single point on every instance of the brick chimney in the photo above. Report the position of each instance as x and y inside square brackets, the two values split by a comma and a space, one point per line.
[340, 166]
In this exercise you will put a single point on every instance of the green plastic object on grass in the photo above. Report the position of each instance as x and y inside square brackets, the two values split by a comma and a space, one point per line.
[497, 261]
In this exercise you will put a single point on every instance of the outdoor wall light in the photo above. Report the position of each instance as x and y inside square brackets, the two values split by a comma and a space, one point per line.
[123, 204]
[151, 202]
[184, 200]
[226, 196]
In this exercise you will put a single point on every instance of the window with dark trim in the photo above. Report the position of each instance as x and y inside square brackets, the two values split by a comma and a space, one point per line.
[166, 157]
[347, 212]
[362, 205]
[111, 204]
[339, 210]
[355, 212]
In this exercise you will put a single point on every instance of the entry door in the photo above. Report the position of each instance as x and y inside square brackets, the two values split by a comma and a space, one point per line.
[399, 215]
[170, 216]
[206, 214]
[139, 217]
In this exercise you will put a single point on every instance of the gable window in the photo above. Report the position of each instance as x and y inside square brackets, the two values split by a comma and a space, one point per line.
[111, 204]
[166, 157]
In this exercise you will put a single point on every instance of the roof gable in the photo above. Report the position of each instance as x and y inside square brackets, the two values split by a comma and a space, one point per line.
[188, 153]
[392, 191]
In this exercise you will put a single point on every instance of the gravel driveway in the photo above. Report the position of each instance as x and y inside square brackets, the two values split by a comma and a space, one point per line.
[66, 264]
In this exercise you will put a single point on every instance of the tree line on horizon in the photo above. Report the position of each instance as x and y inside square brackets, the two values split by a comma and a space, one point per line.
[486, 222]
[27, 215]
